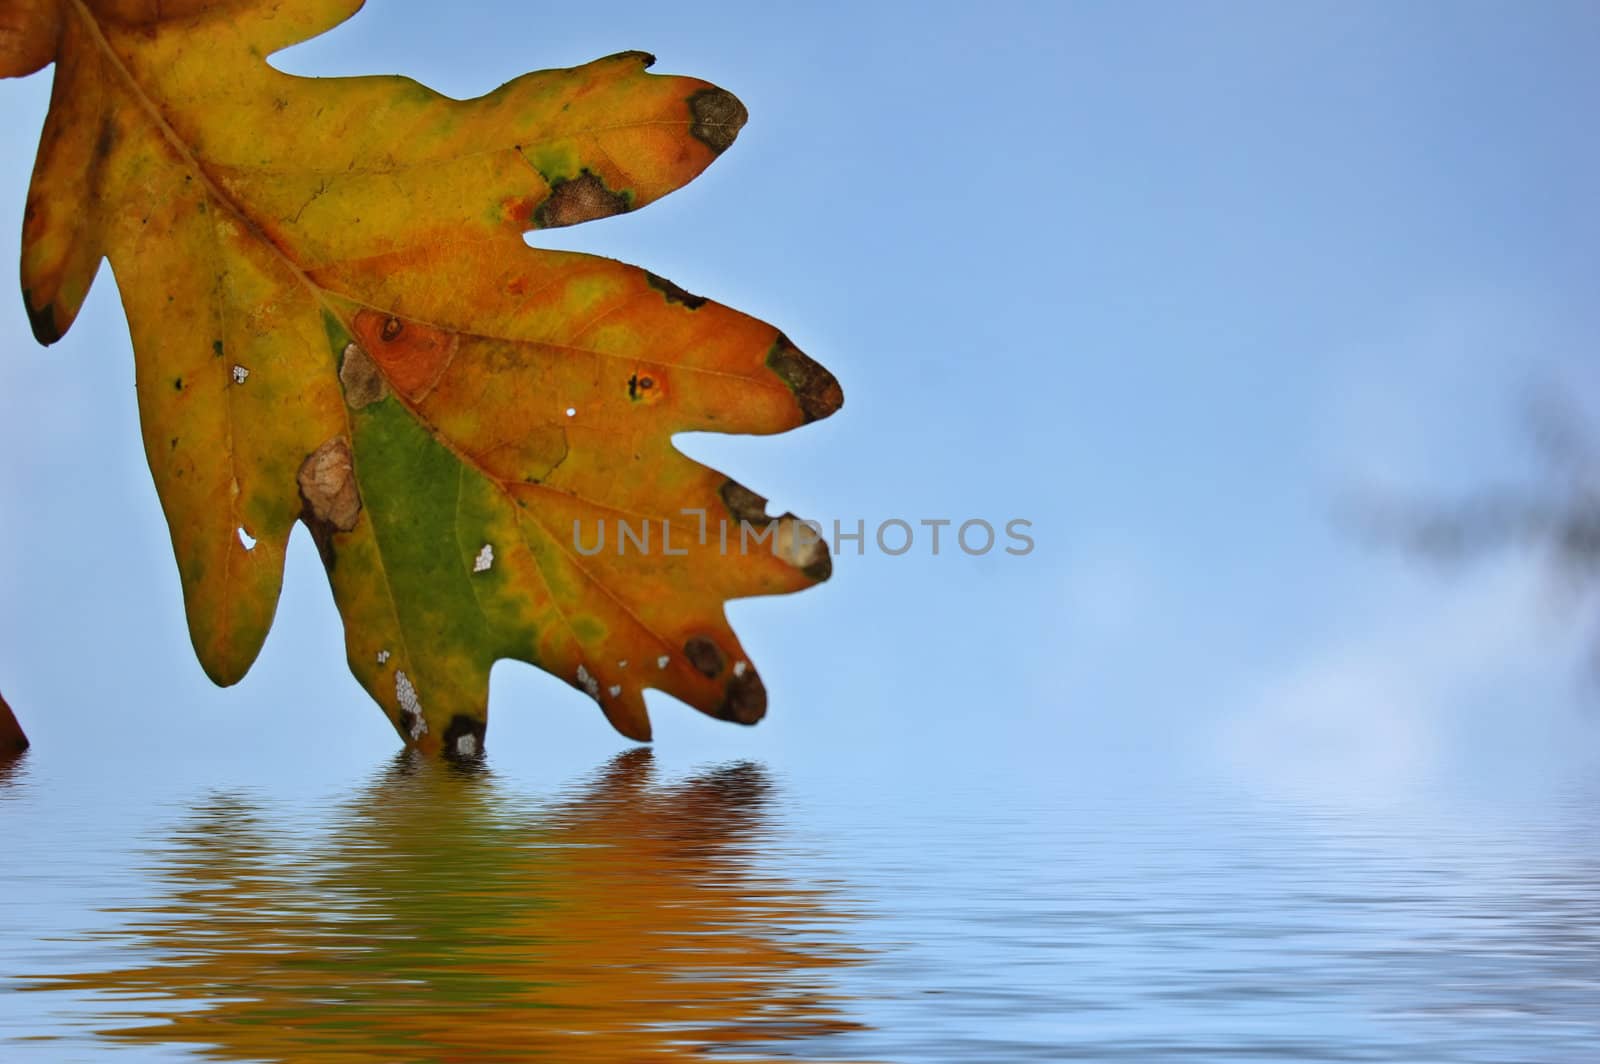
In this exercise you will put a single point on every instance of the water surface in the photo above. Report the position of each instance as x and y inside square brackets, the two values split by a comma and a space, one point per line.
[637, 910]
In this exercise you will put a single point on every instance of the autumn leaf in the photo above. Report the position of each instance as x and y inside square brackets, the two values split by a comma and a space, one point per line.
[335, 320]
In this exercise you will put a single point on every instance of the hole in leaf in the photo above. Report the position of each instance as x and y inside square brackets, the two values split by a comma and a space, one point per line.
[246, 539]
[572, 411]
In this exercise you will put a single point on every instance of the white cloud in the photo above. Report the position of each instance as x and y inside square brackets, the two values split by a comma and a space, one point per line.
[1379, 710]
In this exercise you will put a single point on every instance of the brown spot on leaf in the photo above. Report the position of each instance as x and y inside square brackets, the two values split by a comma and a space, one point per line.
[463, 738]
[704, 655]
[579, 199]
[107, 139]
[363, 384]
[718, 117]
[328, 484]
[744, 504]
[744, 700]
[330, 500]
[674, 294]
[821, 569]
[42, 320]
[645, 387]
[392, 328]
[815, 389]
[644, 59]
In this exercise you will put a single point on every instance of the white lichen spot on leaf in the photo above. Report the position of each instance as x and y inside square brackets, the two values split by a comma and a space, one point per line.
[587, 681]
[799, 543]
[410, 705]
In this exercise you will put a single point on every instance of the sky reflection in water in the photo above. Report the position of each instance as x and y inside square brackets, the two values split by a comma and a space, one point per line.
[653, 909]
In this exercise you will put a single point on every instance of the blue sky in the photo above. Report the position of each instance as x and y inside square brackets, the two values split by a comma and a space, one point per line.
[1165, 280]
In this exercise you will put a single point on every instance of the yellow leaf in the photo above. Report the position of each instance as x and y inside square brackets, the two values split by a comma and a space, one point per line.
[336, 320]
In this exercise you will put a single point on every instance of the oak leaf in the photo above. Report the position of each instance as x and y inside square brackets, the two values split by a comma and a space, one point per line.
[336, 320]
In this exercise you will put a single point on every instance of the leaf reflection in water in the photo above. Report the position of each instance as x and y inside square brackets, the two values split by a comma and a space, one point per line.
[442, 917]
